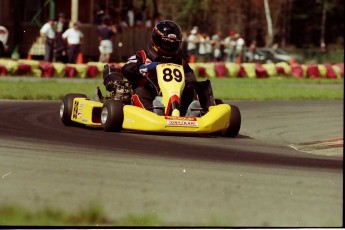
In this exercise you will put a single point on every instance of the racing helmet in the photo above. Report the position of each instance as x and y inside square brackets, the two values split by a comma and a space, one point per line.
[167, 37]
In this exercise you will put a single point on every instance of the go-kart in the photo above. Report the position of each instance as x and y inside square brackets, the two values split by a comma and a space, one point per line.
[116, 113]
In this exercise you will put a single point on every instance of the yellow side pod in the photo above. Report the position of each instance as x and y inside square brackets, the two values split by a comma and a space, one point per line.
[86, 112]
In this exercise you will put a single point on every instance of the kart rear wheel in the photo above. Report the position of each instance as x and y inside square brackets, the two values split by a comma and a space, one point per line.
[66, 107]
[235, 123]
[112, 115]
[218, 101]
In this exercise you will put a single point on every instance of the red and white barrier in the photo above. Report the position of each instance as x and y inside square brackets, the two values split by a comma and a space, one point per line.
[9, 67]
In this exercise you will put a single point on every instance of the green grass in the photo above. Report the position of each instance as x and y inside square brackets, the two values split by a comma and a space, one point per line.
[273, 88]
[90, 216]
[44, 89]
[278, 89]
[93, 215]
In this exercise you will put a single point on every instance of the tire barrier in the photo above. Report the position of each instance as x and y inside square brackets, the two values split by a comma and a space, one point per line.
[24, 67]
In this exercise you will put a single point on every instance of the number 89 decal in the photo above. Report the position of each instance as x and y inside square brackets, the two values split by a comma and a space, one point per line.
[170, 74]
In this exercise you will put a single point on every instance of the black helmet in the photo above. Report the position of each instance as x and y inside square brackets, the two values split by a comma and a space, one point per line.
[167, 37]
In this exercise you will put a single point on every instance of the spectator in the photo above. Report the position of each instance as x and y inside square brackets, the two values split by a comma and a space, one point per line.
[192, 44]
[74, 39]
[131, 16]
[48, 34]
[148, 20]
[230, 44]
[208, 46]
[322, 53]
[99, 17]
[106, 32]
[252, 52]
[156, 18]
[61, 26]
[240, 48]
[141, 15]
[217, 43]
[205, 47]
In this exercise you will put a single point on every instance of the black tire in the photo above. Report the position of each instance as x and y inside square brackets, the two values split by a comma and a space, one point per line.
[67, 106]
[112, 115]
[235, 123]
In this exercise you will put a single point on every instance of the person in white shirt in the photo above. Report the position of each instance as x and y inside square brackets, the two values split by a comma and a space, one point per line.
[208, 44]
[217, 40]
[48, 34]
[205, 48]
[130, 16]
[202, 48]
[74, 38]
[240, 48]
[192, 43]
[230, 44]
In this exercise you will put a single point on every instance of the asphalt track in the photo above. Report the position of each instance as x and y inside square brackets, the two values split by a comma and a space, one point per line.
[256, 179]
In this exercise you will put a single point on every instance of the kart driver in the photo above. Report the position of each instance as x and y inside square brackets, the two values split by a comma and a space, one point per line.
[140, 69]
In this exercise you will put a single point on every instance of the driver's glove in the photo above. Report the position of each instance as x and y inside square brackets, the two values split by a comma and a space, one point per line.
[144, 68]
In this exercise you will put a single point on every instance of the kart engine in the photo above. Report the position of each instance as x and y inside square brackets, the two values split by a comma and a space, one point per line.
[114, 83]
[121, 90]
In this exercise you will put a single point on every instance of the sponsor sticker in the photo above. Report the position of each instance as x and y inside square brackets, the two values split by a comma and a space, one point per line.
[181, 121]
[180, 118]
[79, 114]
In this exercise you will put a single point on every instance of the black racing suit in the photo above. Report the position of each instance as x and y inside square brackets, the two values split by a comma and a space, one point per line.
[144, 92]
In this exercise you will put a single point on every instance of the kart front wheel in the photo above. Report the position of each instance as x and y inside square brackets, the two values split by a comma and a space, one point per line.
[112, 115]
[66, 107]
[235, 123]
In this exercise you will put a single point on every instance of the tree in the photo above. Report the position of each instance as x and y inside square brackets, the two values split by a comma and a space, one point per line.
[269, 38]
[155, 9]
